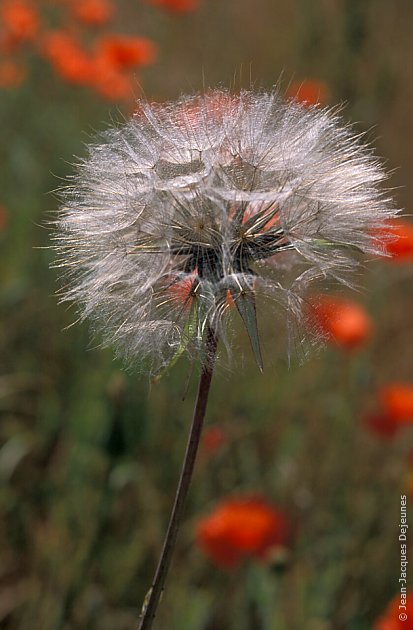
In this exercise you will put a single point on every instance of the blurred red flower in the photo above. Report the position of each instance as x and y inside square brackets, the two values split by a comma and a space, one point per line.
[93, 12]
[56, 43]
[123, 51]
[76, 55]
[342, 321]
[20, 20]
[212, 439]
[382, 424]
[396, 400]
[219, 105]
[178, 6]
[99, 69]
[241, 528]
[111, 83]
[399, 245]
[393, 618]
[395, 410]
[68, 58]
[309, 92]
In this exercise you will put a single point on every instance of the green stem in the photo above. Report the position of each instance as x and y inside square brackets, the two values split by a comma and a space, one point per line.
[154, 594]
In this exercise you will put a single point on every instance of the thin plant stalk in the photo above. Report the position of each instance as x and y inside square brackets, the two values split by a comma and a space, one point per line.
[155, 592]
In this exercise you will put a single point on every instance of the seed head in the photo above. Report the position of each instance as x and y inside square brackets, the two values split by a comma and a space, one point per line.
[179, 219]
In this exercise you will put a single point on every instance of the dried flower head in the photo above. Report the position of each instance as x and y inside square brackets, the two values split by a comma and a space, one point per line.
[178, 220]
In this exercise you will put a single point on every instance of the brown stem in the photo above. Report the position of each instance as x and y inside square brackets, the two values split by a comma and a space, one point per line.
[152, 598]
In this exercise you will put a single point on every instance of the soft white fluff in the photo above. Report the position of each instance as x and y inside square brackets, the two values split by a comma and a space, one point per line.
[195, 206]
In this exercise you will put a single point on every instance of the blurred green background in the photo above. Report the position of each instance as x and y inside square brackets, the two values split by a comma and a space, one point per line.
[90, 453]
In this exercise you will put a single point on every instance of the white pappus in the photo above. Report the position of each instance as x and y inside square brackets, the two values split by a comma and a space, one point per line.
[177, 220]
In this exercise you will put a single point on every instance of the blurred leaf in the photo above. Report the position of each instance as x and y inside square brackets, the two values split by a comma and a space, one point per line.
[13, 452]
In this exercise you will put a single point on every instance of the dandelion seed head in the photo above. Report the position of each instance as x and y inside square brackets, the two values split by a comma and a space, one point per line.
[179, 219]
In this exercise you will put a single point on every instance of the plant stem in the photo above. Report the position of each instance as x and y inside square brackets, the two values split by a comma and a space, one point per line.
[152, 598]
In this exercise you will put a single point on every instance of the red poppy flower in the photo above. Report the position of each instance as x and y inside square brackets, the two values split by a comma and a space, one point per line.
[399, 245]
[20, 19]
[68, 58]
[398, 614]
[241, 528]
[396, 400]
[113, 84]
[309, 92]
[57, 43]
[122, 51]
[76, 68]
[395, 410]
[93, 12]
[342, 321]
